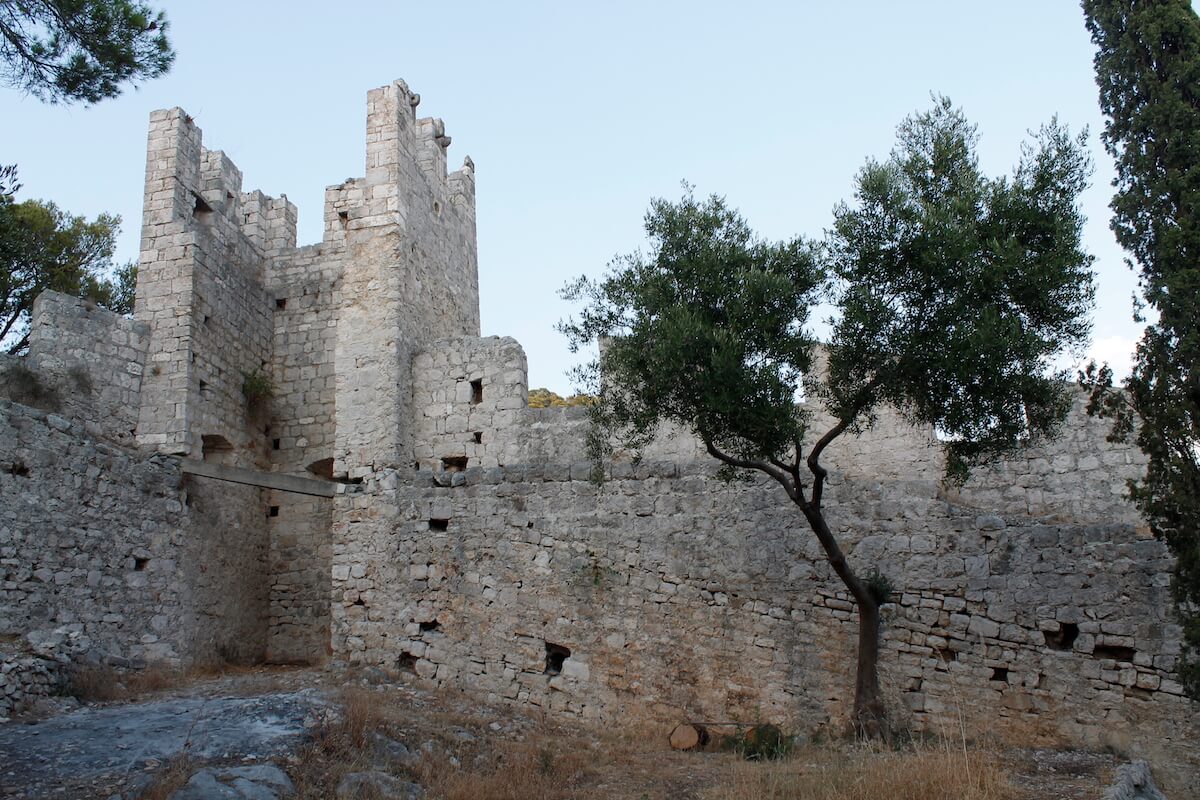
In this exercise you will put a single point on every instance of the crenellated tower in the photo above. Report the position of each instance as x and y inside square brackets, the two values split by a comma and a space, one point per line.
[397, 269]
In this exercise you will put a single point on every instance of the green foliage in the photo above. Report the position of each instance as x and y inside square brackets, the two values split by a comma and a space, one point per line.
[956, 290]
[8, 180]
[879, 585]
[62, 51]
[544, 398]
[760, 743]
[258, 388]
[1148, 71]
[43, 248]
[706, 331]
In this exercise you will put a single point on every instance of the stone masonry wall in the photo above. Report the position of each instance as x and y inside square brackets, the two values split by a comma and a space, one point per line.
[669, 591]
[116, 547]
[93, 358]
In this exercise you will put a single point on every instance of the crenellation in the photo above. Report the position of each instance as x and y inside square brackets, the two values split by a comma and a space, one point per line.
[432, 142]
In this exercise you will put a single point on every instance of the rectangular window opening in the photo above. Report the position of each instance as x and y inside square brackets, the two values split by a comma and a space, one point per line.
[454, 463]
[273, 511]
[478, 437]
[476, 392]
[439, 524]
[281, 302]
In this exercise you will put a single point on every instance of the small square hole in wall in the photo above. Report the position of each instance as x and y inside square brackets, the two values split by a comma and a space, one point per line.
[556, 656]
[431, 626]
[476, 392]
[281, 303]
[1000, 674]
[274, 444]
[139, 564]
[439, 524]
[273, 511]
[478, 437]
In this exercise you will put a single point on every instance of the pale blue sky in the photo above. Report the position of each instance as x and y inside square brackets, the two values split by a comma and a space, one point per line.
[577, 114]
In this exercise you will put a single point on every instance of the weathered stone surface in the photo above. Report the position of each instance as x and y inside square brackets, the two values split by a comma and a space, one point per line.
[257, 782]
[1134, 782]
[114, 740]
[376, 784]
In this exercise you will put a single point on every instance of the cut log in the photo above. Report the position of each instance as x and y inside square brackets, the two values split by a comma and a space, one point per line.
[689, 736]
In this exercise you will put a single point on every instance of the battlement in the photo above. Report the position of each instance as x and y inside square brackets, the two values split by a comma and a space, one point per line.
[198, 190]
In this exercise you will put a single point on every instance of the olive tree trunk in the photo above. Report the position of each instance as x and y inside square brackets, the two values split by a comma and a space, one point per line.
[870, 715]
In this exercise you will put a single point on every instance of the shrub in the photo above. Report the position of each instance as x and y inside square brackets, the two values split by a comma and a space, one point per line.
[22, 385]
[258, 388]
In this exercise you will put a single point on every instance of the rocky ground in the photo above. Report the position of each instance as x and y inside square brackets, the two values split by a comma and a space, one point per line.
[298, 733]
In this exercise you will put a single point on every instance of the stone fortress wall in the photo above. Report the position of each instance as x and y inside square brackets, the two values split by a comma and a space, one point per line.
[464, 541]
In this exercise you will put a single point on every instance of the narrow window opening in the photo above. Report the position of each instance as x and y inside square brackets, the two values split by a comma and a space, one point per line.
[439, 524]
[1115, 652]
[274, 444]
[416, 466]
[556, 655]
[1063, 638]
[281, 302]
[273, 511]
[344, 218]
[1000, 674]
[202, 211]
[431, 626]
[477, 392]
[454, 463]
[203, 387]
[139, 564]
[478, 437]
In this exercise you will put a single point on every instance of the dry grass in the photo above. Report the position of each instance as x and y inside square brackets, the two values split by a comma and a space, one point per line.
[100, 683]
[542, 770]
[341, 743]
[866, 774]
[169, 778]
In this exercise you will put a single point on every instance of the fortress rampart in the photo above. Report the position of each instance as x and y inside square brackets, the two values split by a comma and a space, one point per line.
[451, 532]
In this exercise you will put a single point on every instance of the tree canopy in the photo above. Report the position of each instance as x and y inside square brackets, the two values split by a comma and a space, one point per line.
[44, 248]
[63, 51]
[1148, 71]
[954, 292]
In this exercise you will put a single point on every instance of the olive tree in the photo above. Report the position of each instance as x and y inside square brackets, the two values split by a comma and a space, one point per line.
[954, 294]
